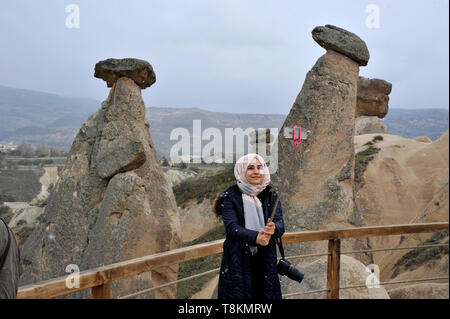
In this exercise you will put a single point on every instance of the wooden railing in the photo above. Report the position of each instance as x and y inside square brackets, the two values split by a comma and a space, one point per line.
[99, 279]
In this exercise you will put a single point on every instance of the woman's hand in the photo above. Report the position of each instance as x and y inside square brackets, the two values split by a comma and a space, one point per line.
[262, 239]
[270, 228]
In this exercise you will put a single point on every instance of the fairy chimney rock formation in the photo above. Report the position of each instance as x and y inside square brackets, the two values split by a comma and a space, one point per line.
[320, 170]
[112, 201]
[373, 97]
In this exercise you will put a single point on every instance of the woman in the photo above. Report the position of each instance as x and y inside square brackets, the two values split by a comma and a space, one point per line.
[249, 261]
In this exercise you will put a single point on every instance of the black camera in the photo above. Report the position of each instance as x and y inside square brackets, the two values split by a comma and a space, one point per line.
[285, 269]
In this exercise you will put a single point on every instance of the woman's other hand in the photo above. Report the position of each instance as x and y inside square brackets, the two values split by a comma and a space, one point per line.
[262, 239]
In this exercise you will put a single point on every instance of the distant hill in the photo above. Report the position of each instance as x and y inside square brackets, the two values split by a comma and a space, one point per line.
[42, 118]
[37, 117]
[412, 123]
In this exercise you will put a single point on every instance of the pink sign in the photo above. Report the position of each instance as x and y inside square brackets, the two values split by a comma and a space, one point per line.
[297, 137]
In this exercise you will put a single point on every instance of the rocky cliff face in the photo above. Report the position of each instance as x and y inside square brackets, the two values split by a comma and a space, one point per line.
[112, 201]
[406, 182]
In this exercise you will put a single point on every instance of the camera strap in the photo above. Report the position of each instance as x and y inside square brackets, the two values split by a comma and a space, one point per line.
[277, 239]
[280, 247]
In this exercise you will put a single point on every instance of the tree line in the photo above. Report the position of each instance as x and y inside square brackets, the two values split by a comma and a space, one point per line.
[25, 150]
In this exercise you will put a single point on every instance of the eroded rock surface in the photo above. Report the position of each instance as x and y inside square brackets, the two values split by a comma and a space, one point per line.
[111, 203]
[373, 97]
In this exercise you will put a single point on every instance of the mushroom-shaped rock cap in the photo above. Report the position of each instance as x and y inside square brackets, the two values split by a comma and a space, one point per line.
[342, 41]
[140, 71]
[373, 97]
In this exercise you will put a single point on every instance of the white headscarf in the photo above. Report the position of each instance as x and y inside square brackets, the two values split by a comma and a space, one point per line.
[253, 213]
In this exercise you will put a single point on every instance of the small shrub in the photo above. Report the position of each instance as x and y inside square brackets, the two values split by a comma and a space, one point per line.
[5, 213]
[24, 231]
[416, 257]
[195, 169]
[377, 138]
[366, 155]
[21, 222]
[181, 165]
[201, 187]
[6, 197]
[165, 163]
[362, 159]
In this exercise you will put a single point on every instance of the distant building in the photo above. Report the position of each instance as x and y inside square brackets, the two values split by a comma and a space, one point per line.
[190, 159]
[6, 148]
[167, 161]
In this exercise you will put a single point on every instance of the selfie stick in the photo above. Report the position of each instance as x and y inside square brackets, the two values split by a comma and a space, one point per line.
[278, 198]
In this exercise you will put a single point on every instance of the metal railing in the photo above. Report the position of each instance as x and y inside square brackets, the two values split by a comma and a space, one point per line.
[99, 279]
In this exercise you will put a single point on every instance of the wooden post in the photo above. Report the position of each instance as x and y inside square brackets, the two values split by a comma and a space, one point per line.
[102, 291]
[333, 268]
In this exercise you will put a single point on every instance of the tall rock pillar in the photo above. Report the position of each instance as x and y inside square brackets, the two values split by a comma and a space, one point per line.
[320, 170]
[112, 202]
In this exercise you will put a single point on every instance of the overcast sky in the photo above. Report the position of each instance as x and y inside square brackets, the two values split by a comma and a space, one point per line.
[223, 55]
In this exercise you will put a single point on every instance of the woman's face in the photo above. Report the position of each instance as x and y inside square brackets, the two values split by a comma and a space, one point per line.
[254, 173]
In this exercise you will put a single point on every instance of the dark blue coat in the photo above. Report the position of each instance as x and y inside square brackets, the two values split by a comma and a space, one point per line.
[235, 275]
